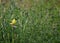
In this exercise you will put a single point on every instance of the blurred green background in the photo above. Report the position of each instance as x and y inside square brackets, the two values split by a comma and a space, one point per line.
[38, 21]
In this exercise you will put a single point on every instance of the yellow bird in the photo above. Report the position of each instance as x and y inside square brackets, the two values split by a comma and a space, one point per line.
[13, 22]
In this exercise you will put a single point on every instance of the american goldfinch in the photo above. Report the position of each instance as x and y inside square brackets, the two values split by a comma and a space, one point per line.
[13, 22]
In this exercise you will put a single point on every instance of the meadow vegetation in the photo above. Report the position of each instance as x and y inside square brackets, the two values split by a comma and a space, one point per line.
[33, 21]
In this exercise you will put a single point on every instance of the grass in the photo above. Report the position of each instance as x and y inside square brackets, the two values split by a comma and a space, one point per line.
[38, 21]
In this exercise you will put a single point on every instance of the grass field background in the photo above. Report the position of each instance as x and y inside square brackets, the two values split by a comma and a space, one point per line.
[38, 21]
